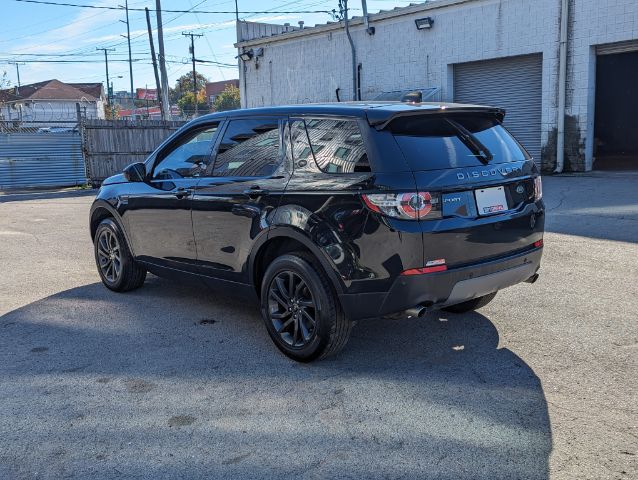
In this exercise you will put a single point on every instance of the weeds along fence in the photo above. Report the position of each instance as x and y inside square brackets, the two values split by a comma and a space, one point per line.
[110, 145]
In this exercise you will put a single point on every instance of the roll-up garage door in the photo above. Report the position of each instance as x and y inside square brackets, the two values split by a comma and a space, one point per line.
[514, 84]
[620, 47]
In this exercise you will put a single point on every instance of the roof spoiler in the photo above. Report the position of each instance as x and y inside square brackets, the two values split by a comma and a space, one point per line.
[380, 123]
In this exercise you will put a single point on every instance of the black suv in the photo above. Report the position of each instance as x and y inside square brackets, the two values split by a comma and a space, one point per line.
[329, 214]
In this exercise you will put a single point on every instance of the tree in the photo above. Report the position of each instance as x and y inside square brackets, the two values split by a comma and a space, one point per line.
[112, 112]
[184, 85]
[187, 103]
[229, 99]
[4, 81]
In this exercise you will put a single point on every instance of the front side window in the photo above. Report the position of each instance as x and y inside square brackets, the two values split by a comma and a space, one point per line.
[249, 148]
[336, 145]
[189, 157]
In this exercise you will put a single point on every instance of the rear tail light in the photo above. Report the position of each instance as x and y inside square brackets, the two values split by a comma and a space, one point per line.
[538, 188]
[406, 206]
[538, 243]
[421, 271]
[431, 266]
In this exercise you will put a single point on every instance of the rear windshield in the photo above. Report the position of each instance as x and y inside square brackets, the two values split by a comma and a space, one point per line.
[433, 142]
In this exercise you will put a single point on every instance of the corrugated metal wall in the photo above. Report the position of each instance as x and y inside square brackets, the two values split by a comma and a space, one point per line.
[513, 83]
[35, 159]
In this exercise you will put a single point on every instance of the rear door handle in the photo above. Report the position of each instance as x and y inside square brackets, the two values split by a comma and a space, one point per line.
[182, 192]
[255, 192]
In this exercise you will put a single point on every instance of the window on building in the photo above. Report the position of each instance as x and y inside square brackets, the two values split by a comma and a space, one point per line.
[342, 153]
[354, 139]
[328, 136]
[249, 148]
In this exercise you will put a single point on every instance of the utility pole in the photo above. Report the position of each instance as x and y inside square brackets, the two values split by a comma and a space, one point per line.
[192, 52]
[162, 60]
[17, 64]
[157, 80]
[106, 62]
[128, 39]
[241, 67]
[343, 4]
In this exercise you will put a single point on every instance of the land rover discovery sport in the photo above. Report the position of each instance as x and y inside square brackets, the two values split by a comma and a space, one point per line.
[329, 214]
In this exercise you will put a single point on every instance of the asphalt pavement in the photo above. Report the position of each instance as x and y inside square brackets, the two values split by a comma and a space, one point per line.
[178, 381]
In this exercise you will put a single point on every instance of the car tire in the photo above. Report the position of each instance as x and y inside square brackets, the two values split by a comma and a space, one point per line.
[291, 283]
[470, 305]
[117, 268]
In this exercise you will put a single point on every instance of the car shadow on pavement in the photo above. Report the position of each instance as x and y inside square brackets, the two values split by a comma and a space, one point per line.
[181, 382]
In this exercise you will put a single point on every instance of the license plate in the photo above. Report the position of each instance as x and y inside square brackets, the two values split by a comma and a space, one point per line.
[490, 200]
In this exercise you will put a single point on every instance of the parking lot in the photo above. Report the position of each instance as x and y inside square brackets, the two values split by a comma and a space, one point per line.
[177, 381]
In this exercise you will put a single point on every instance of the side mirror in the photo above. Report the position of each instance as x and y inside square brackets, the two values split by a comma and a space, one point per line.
[135, 172]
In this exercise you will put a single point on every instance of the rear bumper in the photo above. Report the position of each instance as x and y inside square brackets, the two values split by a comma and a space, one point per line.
[444, 288]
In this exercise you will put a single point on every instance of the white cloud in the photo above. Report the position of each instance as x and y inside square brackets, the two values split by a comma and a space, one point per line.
[66, 37]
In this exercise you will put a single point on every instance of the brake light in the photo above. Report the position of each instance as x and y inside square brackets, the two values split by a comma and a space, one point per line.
[538, 188]
[538, 243]
[406, 206]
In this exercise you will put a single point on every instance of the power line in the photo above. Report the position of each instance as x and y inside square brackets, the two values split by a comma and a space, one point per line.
[17, 54]
[138, 38]
[208, 42]
[104, 7]
[140, 61]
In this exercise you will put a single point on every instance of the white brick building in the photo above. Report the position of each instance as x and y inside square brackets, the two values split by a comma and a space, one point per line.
[499, 52]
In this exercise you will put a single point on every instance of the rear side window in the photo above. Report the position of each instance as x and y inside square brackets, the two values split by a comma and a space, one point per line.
[335, 145]
[249, 148]
[433, 142]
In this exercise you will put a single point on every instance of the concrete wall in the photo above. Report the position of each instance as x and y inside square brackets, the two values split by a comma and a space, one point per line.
[309, 65]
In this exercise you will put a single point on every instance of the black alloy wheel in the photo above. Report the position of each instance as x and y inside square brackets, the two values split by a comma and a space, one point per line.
[301, 310]
[292, 309]
[117, 268]
[109, 255]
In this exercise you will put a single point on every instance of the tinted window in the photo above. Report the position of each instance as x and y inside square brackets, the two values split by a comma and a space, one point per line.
[336, 145]
[432, 142]
[249, 148]
[189, 157]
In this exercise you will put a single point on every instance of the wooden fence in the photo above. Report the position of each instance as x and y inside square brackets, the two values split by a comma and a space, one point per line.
[110, 145]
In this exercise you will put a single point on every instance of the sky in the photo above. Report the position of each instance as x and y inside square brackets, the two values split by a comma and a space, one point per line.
[34, 35]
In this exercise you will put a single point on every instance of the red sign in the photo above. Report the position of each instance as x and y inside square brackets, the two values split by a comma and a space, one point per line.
[147, 94]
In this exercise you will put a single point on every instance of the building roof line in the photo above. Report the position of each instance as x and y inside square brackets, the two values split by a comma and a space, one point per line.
[297, 32]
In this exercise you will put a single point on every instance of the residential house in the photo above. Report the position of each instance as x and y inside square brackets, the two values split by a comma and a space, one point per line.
[213, 89]
[52, 101]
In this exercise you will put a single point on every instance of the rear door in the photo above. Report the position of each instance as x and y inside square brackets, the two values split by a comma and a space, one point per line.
[483, 179]
[233, 199]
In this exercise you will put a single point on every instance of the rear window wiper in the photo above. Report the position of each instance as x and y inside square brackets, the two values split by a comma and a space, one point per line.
[473, 143]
